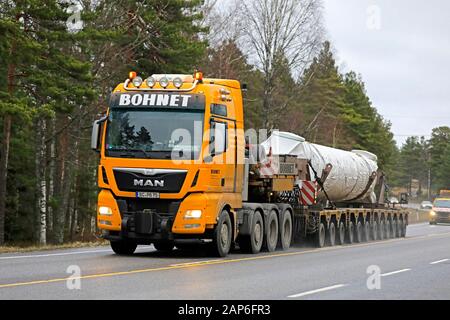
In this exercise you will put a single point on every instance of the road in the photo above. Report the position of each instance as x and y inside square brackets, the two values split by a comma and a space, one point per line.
[416, 267]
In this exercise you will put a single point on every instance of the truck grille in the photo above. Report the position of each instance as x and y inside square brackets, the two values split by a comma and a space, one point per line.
[151, 180]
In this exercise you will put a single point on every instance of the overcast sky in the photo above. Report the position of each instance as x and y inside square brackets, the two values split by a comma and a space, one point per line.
[402, 50]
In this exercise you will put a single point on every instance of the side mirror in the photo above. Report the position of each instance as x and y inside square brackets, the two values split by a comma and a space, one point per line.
[95, 136]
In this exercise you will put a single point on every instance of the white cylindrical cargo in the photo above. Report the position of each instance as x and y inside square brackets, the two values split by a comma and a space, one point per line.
[351, 172]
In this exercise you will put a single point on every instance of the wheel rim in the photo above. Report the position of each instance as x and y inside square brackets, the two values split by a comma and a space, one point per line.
[366, 231]
[341, 233]
[321, 235]
[388, 231]
[375, 230]
[287, 232]
[224, 235]
[332, 235]
[381, 232]
[273, 231]
[257, 234]
[358, 232]
[351, 230]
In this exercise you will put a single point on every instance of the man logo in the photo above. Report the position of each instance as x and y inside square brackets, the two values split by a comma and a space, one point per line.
[148, 183]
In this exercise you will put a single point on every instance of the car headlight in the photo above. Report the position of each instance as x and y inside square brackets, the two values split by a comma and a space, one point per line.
[105, 211]
[432, 213]
[193, 214]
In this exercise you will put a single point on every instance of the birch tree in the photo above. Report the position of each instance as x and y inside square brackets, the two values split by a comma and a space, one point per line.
[280, 30]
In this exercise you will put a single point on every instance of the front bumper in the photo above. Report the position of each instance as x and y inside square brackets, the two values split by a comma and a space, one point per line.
[440, 217]
[149, 220]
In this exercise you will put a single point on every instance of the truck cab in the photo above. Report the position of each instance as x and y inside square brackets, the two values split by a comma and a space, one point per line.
[171, 151]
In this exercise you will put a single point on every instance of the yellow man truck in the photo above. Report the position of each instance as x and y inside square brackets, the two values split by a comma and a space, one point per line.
[176, 164]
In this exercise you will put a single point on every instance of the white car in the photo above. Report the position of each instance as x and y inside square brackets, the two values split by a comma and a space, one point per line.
[426, 205]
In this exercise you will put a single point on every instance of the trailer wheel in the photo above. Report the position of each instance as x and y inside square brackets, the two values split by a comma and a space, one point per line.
[341, 233]
[366, 232]
[387, 229]
[351, 232]
[404, 226]
[359, 232]
[399, 227]
[331, 234]
[286, 230]
[222, 235]
[320, 236]
[394, 228]
[374, 230]
[271, 238]
[123, 247]
[253, 242]
[164, 246]
[382, 230]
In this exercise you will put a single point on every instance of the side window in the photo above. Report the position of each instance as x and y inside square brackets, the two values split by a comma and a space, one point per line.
[218, 140]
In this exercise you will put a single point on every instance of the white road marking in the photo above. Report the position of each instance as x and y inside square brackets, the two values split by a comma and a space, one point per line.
[337, 286]
[394, 272]
[60, 254]
[439, 261]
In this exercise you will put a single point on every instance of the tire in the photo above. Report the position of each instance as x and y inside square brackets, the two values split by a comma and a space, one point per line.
[341, 234]
[271, 238]
[222, 235]
[320, 236]
[351, 232]
[286, 231]
[399, 227]
[253, 243]
[164, 246]
[387, 229]
[359, 230]
[394, 228]
[374, 230]
[404, 226]
[124, 248]
[331, 234]
[382, 230]
[366, 232]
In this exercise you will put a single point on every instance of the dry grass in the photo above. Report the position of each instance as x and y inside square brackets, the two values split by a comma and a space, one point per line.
[28, 247]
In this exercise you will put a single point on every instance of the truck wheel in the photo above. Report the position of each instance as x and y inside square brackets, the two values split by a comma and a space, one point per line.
[341, 233]
[271, 238]
[286, 231]
[374, 230]
[253, 242]
[382, 230]
[164, 246]
[404, 226]
[359, 232]
[123, 247]
[320, 236]
[331, 235]
[351, 232]
[366, 232]
[222, 235]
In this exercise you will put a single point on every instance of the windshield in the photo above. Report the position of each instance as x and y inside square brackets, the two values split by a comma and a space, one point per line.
[153, 133]
[442, 203]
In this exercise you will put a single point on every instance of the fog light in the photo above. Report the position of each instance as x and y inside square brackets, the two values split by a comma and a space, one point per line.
[105, 222]
[193, 214]
[191, 226]
[105, 211]
[432, 213]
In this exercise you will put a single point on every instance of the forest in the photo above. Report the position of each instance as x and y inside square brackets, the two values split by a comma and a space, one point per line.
[60, 60]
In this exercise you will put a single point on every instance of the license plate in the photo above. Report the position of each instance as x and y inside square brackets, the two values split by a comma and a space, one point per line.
[147, 195]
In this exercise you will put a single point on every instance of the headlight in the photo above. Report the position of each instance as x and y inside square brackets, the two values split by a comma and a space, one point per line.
[164, 82]
[105, 211]
[151, 82]
[432, 213]
[177, 82]
[193, 214]
[137, 82]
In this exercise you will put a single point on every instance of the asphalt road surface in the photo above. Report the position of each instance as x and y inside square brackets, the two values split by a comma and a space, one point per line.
[416, 267]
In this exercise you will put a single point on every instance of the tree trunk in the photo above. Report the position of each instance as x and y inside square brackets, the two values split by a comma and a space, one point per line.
[4, 156]
[41, 182]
